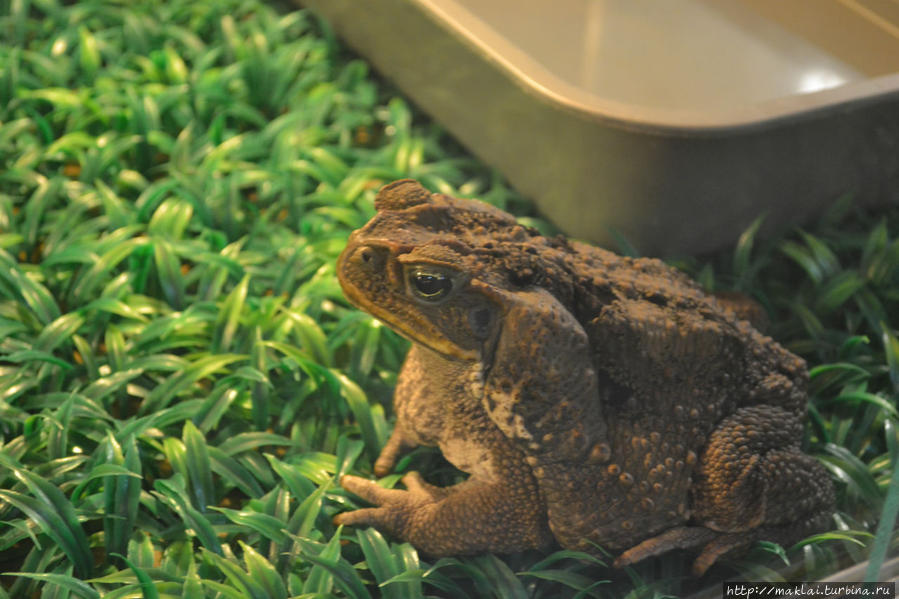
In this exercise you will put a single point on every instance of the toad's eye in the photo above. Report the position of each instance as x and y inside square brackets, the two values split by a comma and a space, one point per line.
[430, 285]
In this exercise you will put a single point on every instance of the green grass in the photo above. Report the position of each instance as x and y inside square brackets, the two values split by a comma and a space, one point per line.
[181, 380]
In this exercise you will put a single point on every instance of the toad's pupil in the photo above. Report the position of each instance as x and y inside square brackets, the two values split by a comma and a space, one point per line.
[432, 285]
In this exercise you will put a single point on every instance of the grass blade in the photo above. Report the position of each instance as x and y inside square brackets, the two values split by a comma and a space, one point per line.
[147, 587]
[56, 528]
[121, 496]
[61, 580]
[199, 469]
[380, 561]
[268, 526]
[264, 573]
[54, 513]
[887, 522]
[192, 519]
[344, 575]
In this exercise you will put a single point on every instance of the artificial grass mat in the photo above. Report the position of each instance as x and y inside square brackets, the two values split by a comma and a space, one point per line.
[181, 380]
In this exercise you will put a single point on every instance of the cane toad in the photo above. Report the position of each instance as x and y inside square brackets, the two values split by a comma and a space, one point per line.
[593, 399]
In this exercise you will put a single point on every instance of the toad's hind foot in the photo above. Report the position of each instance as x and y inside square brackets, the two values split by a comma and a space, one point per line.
[714, 545]
[680, 537]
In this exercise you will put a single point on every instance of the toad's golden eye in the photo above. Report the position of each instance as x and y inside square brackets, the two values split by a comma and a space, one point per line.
[430, 285]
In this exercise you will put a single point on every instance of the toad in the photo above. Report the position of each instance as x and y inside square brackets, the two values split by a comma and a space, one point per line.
[593, 399]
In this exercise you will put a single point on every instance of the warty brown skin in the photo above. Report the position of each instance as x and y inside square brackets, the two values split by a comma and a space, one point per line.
[592, 398]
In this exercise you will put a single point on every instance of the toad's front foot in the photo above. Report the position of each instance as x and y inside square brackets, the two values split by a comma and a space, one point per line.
[395, 508]
[471, 517]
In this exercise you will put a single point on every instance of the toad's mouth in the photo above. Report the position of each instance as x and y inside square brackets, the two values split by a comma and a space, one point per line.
[415, 330]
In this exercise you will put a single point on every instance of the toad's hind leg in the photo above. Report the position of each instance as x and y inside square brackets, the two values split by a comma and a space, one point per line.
[752, 474]
[752, 483]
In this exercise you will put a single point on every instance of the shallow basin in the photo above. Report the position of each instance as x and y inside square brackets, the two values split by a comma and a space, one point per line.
[673, 123]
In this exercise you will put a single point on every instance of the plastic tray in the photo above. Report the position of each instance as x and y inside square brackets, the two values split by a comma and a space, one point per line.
[674, 123]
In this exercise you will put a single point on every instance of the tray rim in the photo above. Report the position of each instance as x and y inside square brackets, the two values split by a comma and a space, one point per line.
[542, 83]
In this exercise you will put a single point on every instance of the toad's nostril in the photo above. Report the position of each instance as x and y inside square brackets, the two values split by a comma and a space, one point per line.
[369, 259]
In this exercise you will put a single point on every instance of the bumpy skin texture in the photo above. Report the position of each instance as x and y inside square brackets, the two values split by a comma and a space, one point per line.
[592, 398]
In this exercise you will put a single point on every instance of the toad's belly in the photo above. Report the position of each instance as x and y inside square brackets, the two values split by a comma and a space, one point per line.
[439, 402]
[470, 456]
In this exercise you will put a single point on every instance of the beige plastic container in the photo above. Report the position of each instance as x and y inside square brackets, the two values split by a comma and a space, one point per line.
[673, 122]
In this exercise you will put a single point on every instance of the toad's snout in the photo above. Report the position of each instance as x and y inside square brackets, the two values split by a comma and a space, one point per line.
[368, 266]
